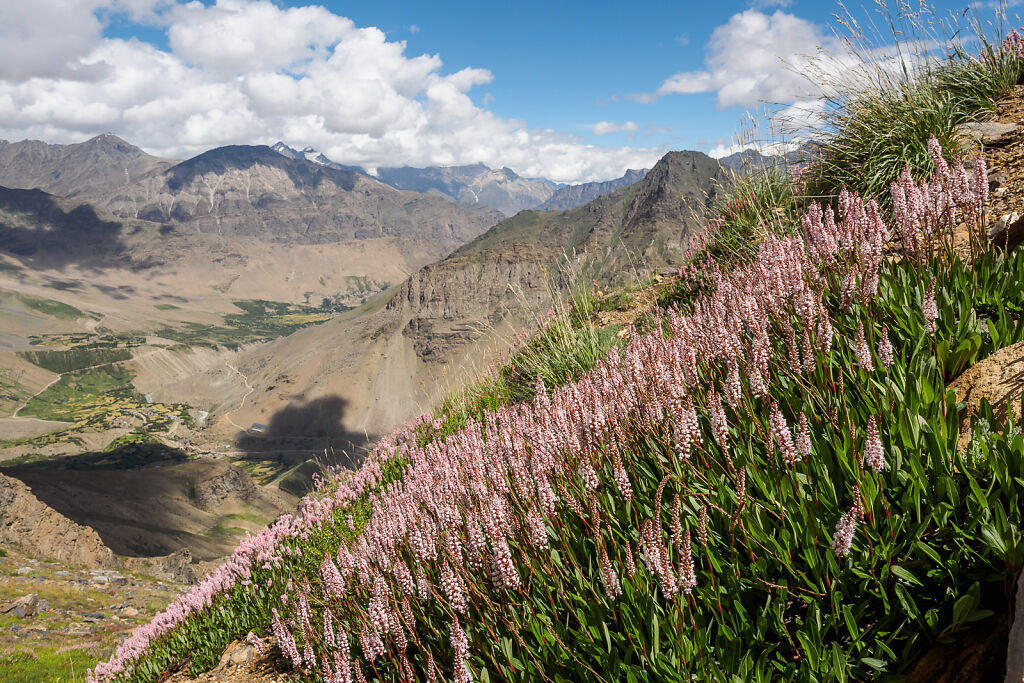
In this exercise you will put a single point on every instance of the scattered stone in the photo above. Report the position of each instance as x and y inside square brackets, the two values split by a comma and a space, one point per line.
[25, 606]
[129, 612]
[22, 571]
[996, 179]
[77, 628]
[1008, 230]
[93, 616]
[988, 133]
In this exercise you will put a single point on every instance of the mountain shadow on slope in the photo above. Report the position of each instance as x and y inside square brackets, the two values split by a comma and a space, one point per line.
[36, 224]
[304, 430]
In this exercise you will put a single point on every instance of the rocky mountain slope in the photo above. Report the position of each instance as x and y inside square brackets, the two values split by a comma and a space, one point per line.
[34, 527]
[85, 170]
[571, 196]
[502, 189]
[254, 192]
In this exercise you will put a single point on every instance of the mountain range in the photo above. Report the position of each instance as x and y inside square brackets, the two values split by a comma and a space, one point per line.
[502, 189]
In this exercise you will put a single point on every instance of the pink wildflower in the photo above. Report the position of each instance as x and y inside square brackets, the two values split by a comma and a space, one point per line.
[874, 453]
[861, 350]
[929, 308]
[885, 350]
[781, 435]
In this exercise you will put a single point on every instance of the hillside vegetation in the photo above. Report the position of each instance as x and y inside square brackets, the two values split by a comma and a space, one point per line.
[761, 483]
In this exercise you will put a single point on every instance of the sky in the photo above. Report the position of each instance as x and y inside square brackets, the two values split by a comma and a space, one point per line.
[570, 91]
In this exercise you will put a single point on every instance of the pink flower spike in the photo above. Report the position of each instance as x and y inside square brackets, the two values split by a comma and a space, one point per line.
[874, 452]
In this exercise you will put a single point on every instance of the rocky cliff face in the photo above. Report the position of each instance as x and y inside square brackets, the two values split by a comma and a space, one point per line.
[39, 530]
[571, 196]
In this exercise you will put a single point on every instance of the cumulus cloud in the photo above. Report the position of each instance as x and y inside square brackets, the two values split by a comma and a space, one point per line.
[249, 71]
[606, 127]
[754, 57]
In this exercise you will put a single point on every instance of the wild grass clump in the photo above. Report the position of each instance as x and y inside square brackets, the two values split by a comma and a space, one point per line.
[758, 202]
[881, 109]
[766, 487]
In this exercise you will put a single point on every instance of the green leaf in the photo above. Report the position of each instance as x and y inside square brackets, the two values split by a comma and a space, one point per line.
[876, 664]
[906, 575]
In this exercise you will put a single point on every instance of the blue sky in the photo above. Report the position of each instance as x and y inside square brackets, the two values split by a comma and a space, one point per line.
[527, 84]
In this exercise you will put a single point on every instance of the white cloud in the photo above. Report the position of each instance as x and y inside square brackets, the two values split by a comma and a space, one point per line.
[251, 72]
[723, 149]
[606, 127]
[764, 4]
[754, 57]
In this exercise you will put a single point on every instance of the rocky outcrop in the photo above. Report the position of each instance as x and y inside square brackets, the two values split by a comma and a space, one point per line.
[38, 529]
[998, 379]
[177, 567]
[232, 481]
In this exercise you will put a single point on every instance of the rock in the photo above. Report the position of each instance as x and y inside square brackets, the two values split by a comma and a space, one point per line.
[237, 653]
[25, 606]
[77, 628]
[975, 656]
[94, 615]
[175, 567]
[1015, 646]
[233, 481]
[988, 133]
[996, 178]
[1008, 230]
[22, 571]
[129, 612]
[999, 379]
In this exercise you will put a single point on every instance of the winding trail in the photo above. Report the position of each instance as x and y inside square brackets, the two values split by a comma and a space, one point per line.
[241, 404]
[29, 399]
